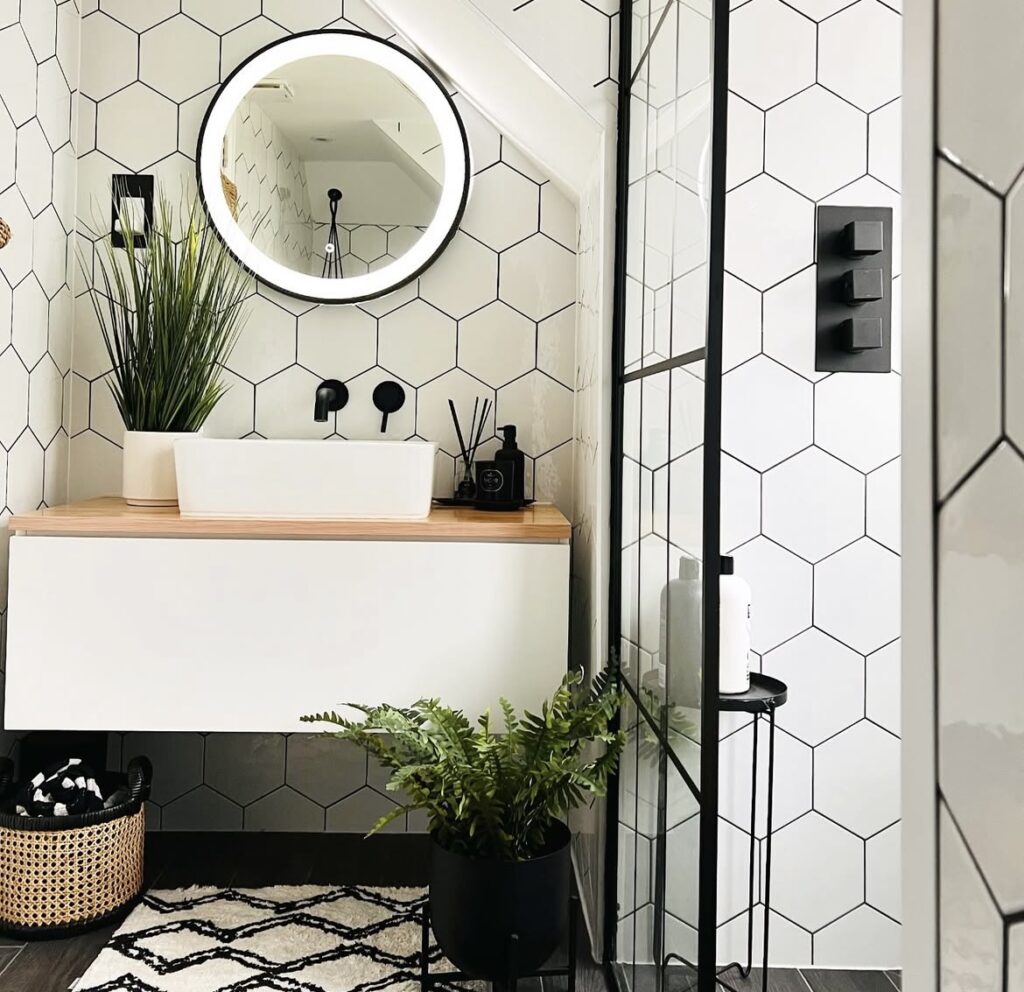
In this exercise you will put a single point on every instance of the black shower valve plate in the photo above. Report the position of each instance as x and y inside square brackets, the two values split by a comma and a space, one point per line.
[854, 273]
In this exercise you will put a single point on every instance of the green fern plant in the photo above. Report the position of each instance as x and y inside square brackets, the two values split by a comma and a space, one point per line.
[169, 314]
[493, 792]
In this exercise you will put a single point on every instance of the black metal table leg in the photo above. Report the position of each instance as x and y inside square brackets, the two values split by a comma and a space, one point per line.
[574, 909]
[765, 695]
[513, 963]
[768, 843]
[425, 949]
[751, 903]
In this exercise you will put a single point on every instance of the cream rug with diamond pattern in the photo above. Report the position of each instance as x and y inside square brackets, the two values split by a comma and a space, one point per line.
[282, 939]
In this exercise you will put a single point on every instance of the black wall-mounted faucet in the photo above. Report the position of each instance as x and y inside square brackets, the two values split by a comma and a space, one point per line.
[331, 396]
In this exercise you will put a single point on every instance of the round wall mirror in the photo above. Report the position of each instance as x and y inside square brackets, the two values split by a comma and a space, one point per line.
[334, 166]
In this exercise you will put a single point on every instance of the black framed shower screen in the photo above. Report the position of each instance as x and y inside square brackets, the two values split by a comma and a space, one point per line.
[662, 837]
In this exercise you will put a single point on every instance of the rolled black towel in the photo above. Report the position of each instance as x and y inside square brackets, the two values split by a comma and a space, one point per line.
[68, 788]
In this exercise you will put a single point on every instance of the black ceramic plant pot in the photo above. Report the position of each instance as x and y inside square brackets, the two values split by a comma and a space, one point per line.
[477, 903]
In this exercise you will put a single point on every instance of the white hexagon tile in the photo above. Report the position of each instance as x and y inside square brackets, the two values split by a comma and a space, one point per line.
[818, 667]
[857, 779]
[769, 231]
[813, 504]
[815, 142]
[767, 413]
[969, 218]
[817, 872]
[766, 74]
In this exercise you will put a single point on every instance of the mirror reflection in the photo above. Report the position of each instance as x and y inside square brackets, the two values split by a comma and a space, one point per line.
[332, 166]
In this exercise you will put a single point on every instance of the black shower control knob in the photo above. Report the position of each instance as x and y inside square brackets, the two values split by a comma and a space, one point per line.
[862, 286]
[861, 334]
[863, 237]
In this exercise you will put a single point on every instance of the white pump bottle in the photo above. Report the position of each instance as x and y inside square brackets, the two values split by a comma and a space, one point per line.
[734, 631]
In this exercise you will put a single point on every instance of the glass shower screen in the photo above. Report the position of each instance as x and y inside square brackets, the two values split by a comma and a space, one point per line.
[666, 491]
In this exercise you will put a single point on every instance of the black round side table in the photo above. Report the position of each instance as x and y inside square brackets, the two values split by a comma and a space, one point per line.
[762, 699]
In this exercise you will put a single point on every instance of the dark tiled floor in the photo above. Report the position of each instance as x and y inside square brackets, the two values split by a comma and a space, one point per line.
[250, 860]
[779, 980]
[816, 980]
[847, 981]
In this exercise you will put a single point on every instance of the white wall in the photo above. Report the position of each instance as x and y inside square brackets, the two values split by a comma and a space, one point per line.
[965, 568]
[811, 478]
[38, 93]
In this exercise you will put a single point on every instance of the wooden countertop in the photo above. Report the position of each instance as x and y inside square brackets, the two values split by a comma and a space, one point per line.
[110, 516]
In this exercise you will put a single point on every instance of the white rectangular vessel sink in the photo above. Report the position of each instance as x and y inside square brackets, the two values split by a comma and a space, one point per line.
[298, 480]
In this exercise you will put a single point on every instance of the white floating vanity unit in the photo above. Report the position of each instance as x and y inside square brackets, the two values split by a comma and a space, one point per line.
[124, 618]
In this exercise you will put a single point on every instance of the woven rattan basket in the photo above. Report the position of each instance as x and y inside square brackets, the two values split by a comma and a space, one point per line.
[63, 875]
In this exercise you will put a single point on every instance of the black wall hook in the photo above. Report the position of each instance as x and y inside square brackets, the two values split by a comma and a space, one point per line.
[389, 398]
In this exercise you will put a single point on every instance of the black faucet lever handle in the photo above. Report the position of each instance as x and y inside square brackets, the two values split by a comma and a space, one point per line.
[389, 398]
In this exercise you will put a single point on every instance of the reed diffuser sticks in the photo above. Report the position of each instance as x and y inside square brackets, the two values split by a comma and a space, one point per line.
[467, 487]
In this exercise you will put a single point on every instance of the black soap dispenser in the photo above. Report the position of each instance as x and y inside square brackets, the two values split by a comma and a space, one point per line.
[510, 461]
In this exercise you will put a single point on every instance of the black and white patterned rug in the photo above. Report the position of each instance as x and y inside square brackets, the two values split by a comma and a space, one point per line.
[283, 939]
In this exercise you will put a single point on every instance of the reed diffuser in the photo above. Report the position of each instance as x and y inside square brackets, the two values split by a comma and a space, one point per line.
[466, 489]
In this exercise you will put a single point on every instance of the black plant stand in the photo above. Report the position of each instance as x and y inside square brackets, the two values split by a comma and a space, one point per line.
[428, 979]
[763, 698]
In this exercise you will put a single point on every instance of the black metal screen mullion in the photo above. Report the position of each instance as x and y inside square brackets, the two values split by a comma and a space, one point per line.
[618, 352]
[636, 847]
[707, 928]
[712, 458]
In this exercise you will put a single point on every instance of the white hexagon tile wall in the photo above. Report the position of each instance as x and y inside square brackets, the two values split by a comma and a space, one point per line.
[978, 568]
[493, 317]
[38, 92]
[811, 477]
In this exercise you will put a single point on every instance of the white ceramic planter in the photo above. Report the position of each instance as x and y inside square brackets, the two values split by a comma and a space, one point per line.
[148, 477]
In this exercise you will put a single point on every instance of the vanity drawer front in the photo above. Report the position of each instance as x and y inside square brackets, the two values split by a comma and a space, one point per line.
[248, 635]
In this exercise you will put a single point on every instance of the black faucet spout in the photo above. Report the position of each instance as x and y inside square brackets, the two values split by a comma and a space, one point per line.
[322, 406]
[331, 396]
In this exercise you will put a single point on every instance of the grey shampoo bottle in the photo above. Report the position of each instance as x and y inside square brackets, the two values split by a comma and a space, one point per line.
[680, 646]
